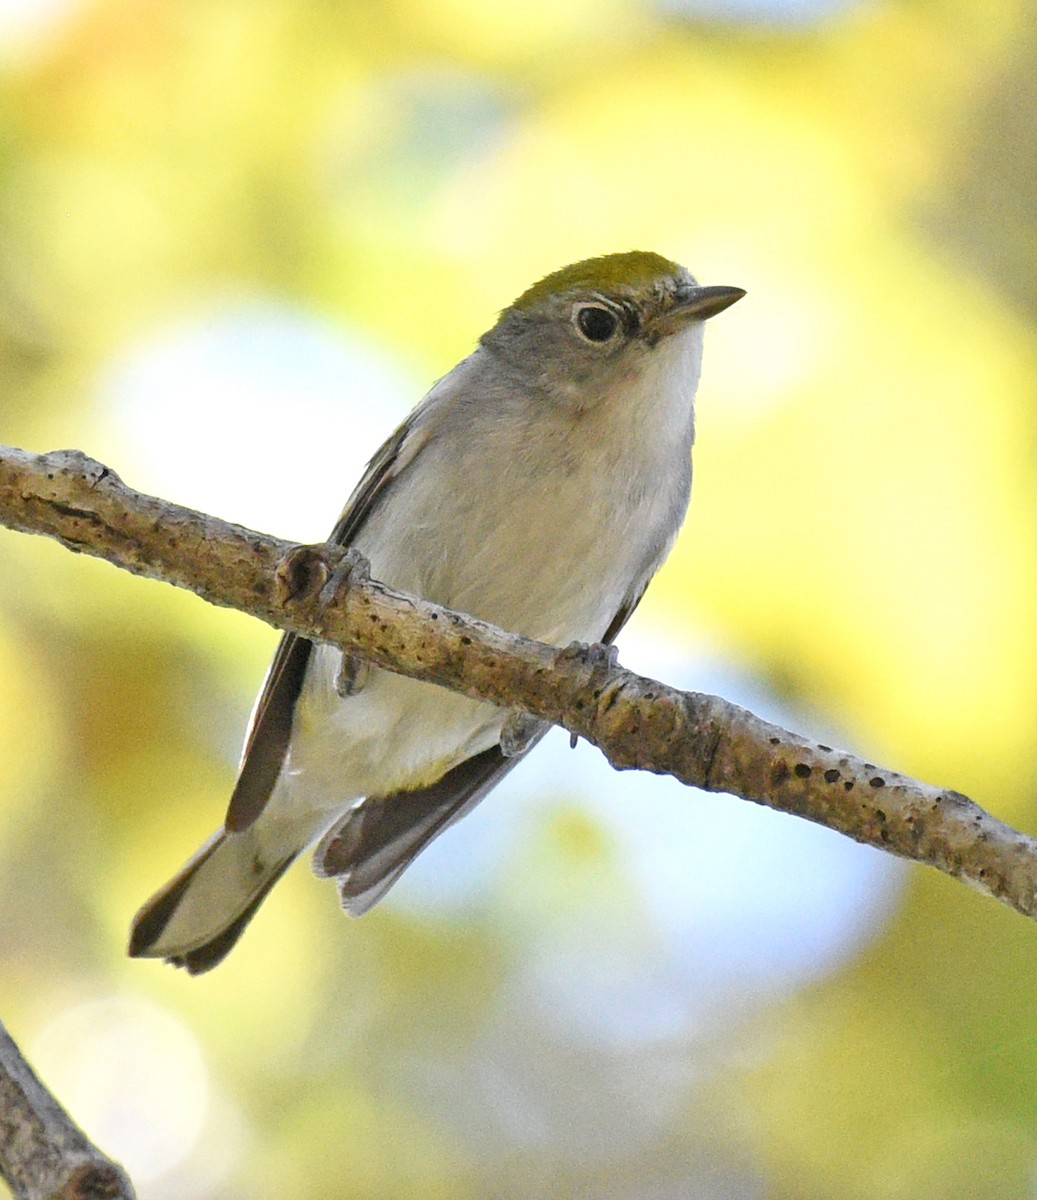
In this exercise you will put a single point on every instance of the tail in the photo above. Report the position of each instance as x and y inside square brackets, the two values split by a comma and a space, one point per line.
[194, 921]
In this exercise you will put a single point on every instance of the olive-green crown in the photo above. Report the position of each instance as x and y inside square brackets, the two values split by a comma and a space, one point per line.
[630, 271]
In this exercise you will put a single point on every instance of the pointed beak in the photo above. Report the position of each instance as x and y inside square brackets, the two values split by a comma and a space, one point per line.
[704, 302]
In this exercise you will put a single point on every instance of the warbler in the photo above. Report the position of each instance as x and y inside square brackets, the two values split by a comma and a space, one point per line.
[539, 486]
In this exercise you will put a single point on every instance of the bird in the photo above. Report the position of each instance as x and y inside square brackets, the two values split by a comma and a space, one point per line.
[539, 486]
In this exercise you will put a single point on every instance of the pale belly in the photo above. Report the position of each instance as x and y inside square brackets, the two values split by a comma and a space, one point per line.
[395, 734]
[539, 553]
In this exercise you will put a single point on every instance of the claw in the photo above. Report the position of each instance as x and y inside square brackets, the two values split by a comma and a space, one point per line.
[598, 657]
[354, 670]
[306, 569]
[518, 733]
[352, 674]
[352, 567]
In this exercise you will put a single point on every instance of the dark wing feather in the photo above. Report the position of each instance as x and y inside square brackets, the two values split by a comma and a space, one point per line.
[269, 733]
[626, 611]
[271, 727]
[373, 844]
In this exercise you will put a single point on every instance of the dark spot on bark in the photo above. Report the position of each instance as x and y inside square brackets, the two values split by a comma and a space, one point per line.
[779, 772]
[775, 741]
[869, 766]
[832, 776]
[826, 749]
[877, 782]
[466, 640]
[848, 785]
[880, 814]
[96, 1181]
[803, 771]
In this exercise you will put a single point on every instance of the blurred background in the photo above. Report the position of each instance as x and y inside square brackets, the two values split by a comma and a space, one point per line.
[238, 240]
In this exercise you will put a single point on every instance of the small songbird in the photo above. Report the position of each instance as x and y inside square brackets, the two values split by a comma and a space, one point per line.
[538, 486]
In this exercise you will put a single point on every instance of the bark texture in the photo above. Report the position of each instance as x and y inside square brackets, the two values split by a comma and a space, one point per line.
[636, 722]
[43, 1155]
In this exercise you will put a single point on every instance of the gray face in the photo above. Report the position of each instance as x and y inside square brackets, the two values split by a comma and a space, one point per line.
[577, 346]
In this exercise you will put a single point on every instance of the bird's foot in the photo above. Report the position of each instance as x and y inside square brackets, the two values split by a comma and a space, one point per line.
[598, 657]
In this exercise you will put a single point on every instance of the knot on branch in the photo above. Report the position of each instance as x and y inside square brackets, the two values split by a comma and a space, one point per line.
[322, 571]
[636, 722]
[97, 1181]
[302, 573]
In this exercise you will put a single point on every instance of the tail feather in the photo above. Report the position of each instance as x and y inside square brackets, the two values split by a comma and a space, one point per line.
[195, 920]
[378, 839]
[205, 957]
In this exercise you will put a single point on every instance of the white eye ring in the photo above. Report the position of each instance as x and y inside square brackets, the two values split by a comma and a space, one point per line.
[595, 323]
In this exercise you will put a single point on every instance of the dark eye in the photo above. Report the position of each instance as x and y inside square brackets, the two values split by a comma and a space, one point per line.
[596, 324]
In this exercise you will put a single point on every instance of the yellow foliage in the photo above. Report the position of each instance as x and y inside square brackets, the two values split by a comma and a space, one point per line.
[861, 543]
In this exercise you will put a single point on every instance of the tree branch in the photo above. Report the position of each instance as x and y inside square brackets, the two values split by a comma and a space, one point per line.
[636, 722]
[43, 1155]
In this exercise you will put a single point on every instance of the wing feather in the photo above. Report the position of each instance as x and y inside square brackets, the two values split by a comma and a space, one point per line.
[270, 729]
[371, 847]
[375, 842]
